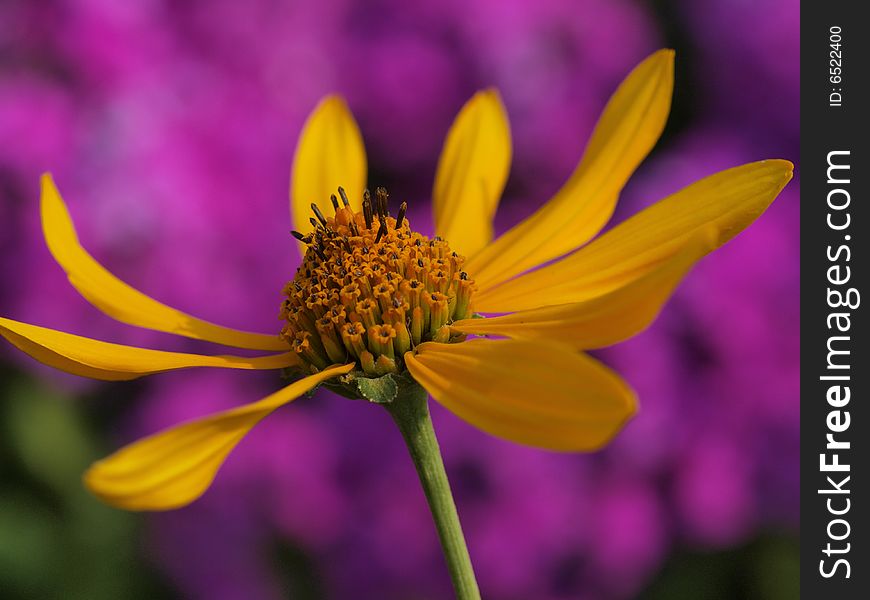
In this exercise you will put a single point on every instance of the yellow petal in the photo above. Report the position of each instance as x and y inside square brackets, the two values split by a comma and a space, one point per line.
[603, 320]
[471, 173]
[115, 362]
[726, 202]
[626, 132]
[119, 300]
[543, 395]
[173, 468]
[330, 153]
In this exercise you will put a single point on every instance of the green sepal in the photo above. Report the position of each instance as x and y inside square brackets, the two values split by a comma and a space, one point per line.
[380, 390]
[357, 385]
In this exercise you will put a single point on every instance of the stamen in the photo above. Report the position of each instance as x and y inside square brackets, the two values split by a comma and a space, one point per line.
[343, 195]
[367, 209]
[298, 235]
[319, 215]
[334, 202]
[402, 209]
[382, 231]
[383, 200]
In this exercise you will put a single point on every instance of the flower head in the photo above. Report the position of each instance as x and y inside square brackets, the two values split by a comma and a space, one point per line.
[369, 289]
[372, 298]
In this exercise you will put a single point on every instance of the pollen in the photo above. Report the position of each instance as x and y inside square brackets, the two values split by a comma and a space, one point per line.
[370, 288]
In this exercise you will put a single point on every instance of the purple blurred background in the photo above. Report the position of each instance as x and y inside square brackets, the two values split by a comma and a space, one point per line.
[170, 129]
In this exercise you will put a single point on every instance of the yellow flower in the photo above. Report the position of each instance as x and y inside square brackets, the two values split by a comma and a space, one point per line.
[373, 297]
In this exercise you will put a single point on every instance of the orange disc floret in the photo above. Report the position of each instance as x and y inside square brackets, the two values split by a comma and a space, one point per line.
[369, 289]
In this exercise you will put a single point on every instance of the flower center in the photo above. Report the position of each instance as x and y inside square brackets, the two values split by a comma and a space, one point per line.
[369, 289]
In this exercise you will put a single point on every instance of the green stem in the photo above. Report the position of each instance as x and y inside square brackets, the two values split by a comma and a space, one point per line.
[410, 411]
